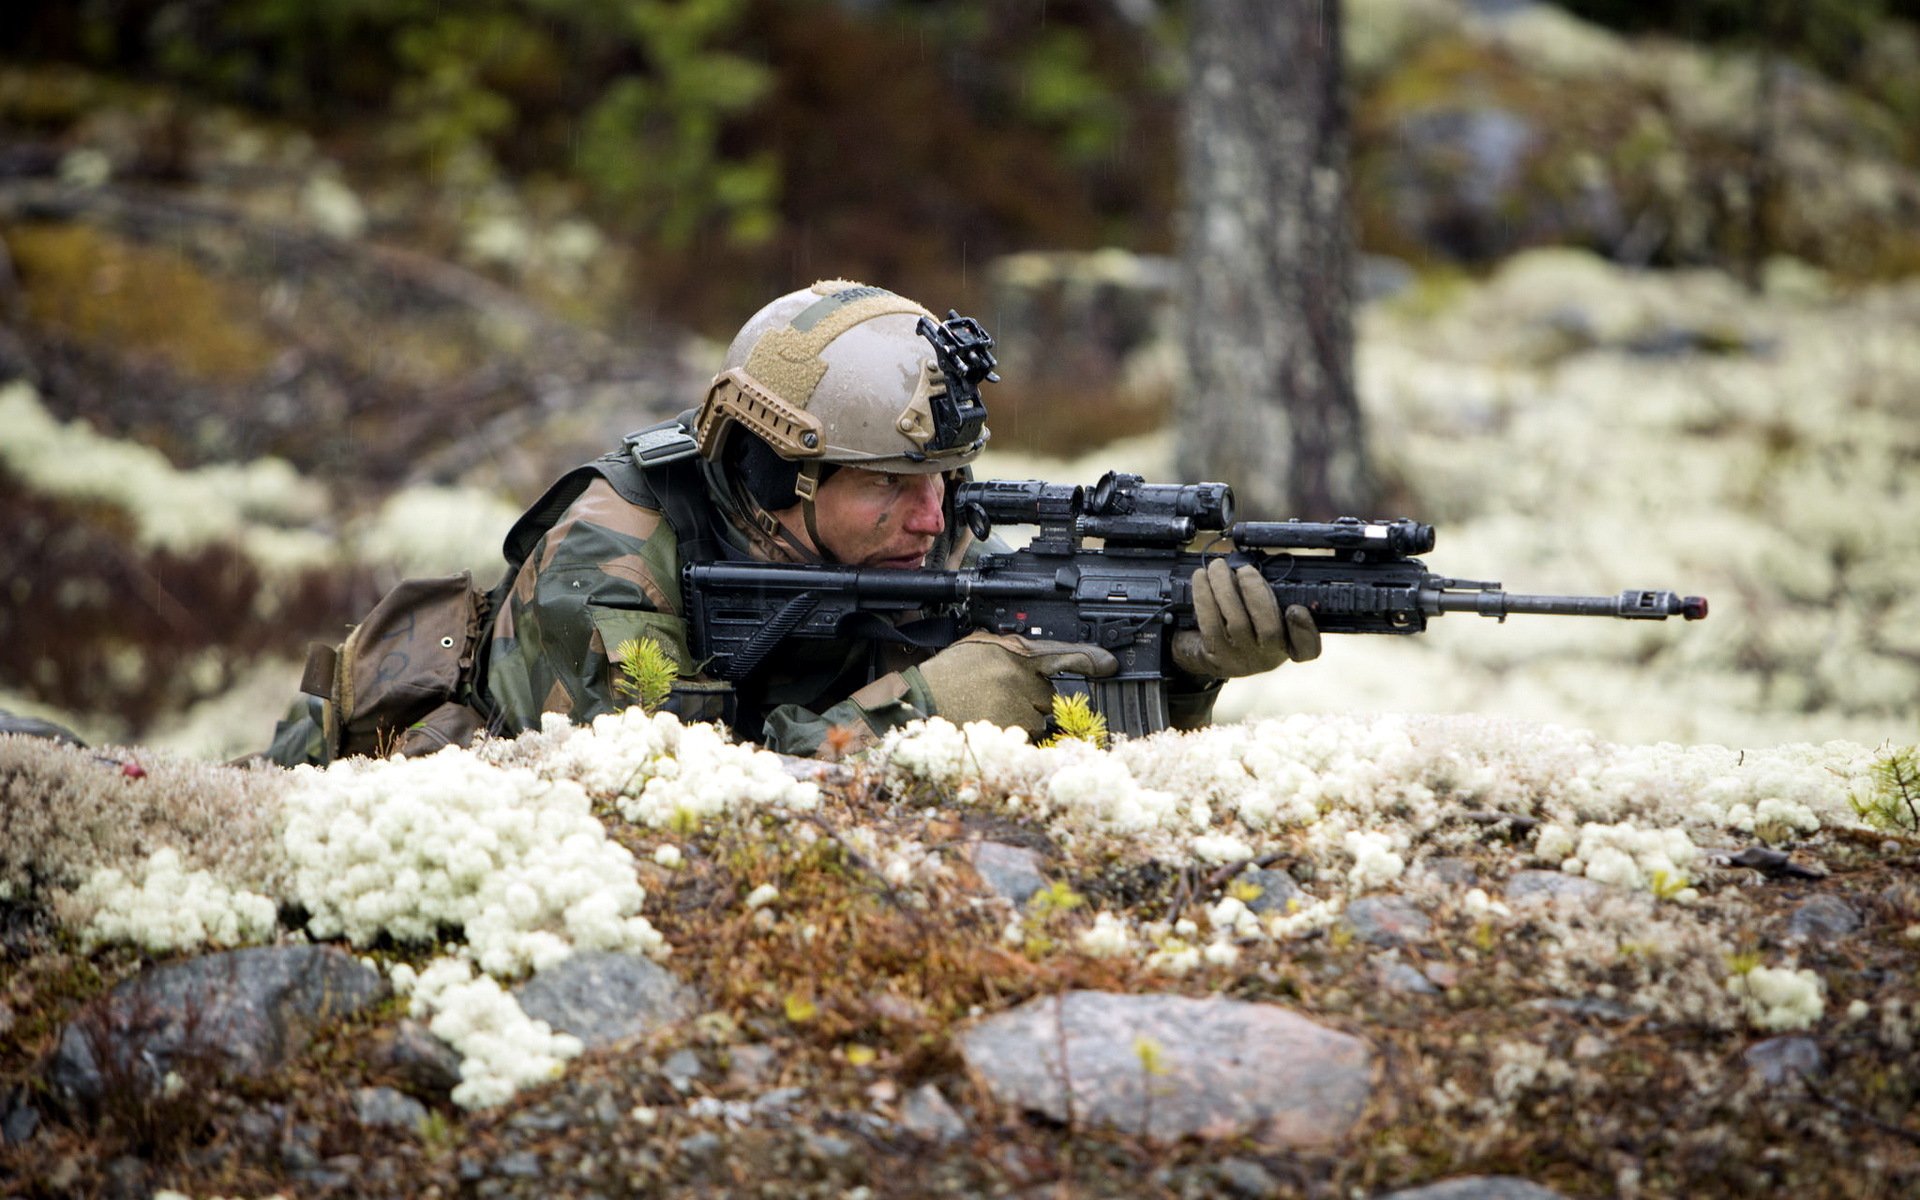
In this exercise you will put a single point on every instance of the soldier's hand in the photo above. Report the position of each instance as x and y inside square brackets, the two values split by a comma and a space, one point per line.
[1002, 678]
[1242, 630]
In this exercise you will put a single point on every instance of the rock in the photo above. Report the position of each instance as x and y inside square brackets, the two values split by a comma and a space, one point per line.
[1586, 1006]
[1477, 1187]
[602, 997]
[778, 1102]
[1277, 890]
[385, 1107]
[1245, 1178]
[422, 1061]
[1782, 1059]
[19, 1119]
[1823, 917]
[240, 1013]
[6, 1018]
[1397, 976]
[927, 1113]
[1225, 1067]
[826, 1147]
[1553, 887]
[682, 1068]
[520, 1164]
[751, 1065]
[1011, 872]
[1454, 872]
[1387, 921]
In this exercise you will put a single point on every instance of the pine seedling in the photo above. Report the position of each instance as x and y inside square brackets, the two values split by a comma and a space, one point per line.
[1894, 802]
[1075, 720]
[647, 672]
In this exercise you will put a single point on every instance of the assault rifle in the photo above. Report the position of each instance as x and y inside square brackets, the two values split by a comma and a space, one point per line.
[1128, 594]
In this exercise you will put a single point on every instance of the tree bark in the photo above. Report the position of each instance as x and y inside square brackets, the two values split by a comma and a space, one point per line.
[1268, 403]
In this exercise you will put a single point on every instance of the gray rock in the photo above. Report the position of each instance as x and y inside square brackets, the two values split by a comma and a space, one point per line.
[1246, 1179]
[1822, 918]
[241, 1013]
[1553, 887]
[1011, 872]
[778, 1102]
[1397, 976]
[1277, 890]
[1227, 1067]
[602, 997]
[1454, 872]
[1586, 1006]
[6, 1018]
[385, 1107]
[300, 1147]
[422, 1061]
[1387, 921]
[927, 1113]
[682, 1068]
[19, 1119]
[1477, 1187]
[826, 1147]
[1782, 1059]
[521, 1164]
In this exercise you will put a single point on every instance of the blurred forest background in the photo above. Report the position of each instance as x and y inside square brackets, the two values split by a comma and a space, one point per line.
[298, 298]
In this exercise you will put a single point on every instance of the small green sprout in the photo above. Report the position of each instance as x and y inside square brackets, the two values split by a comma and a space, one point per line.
[647, 672]
[1667, 884]
[1052, 900]
[1076, 721]
[1743, 963]
[1893, 804]
[1245, 891]
[1153, 1059]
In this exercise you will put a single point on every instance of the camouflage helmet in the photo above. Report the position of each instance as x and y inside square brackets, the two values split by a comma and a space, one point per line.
[844, 374]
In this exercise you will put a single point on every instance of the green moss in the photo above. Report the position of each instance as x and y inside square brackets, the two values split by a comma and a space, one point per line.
[128, 298]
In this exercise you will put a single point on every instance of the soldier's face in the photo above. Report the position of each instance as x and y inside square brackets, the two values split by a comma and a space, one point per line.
[876, 519]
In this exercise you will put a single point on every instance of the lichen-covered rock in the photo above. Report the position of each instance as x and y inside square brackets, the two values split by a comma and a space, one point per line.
[242, 1013]
[1170, 1066]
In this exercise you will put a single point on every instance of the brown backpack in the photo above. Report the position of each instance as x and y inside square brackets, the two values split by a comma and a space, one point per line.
[411, 678]
[406, 679]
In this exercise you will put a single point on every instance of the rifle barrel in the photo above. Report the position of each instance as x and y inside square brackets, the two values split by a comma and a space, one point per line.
[1628, 605]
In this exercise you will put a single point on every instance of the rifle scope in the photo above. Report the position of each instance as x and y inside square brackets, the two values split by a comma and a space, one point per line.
[1398, 538]
[1118, 506]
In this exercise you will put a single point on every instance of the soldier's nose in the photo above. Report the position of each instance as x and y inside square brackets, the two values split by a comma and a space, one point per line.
[924, 511]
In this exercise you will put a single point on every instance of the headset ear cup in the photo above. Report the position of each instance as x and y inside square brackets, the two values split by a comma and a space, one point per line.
[768, 478]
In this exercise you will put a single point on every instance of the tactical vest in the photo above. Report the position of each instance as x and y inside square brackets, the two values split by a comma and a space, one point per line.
[411, 677]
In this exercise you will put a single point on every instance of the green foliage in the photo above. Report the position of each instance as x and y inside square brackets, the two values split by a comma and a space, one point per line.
[634, 96]
[1075, 720]
[1893, 803]
[650, 144]
[647, 672]
[1063, 90]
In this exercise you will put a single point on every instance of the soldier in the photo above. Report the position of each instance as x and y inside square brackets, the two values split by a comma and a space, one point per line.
[817, 442]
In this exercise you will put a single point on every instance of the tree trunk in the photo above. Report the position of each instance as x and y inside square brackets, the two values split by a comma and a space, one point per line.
[1267, 259]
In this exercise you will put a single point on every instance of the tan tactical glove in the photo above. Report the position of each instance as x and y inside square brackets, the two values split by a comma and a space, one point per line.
[1002, 678]
[1241, 629]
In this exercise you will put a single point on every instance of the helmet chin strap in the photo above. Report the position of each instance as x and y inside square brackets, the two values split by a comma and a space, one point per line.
[805, 487]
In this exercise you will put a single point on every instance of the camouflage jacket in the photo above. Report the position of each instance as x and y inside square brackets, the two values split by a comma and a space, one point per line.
[609, 571]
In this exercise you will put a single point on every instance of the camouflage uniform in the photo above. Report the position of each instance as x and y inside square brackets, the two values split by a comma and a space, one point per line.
[609, 570]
